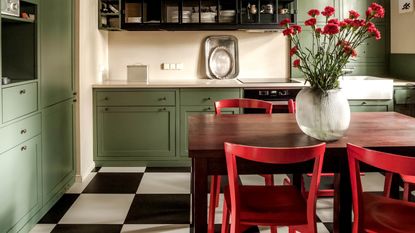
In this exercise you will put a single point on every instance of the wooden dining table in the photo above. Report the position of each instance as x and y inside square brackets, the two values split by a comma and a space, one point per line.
[384, 131]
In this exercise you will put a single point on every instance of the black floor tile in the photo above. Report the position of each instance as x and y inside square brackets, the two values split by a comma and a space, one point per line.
[96, 169]
[159, 209]
[84, 228]
[168, 169]
[54, 215]
[114, 183]
[329, 226]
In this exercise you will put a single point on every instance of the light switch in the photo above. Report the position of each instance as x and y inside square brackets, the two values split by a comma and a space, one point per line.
[165, 66]
[172, 66]
[179, 66]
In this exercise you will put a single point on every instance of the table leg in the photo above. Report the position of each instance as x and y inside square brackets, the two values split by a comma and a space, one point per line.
[342, 202]
[199, 195]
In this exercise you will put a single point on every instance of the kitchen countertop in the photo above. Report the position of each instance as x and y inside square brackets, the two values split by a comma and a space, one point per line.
[209, 83]
[197, 83]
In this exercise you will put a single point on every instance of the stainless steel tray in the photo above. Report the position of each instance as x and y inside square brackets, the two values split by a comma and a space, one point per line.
[221, 57]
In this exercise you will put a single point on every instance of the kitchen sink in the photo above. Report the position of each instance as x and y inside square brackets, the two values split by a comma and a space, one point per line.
[367, 87]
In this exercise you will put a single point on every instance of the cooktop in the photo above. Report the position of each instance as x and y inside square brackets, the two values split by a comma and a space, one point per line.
[266, 80]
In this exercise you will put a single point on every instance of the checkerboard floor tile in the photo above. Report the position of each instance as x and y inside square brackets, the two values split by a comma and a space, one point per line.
[150, 200]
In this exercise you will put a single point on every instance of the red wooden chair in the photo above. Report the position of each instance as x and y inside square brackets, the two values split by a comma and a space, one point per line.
[271, 205]
[376, 213]
[216, 180]
[408, 183]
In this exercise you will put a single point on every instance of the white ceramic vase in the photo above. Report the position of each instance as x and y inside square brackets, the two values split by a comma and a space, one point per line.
[323, 115]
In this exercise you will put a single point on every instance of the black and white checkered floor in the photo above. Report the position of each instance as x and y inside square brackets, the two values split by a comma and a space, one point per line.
[149, 200]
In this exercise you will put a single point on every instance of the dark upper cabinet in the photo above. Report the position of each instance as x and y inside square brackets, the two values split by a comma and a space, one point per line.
[56, 51]
[188, 15]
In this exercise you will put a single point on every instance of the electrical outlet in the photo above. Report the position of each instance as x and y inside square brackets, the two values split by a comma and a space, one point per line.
[165, 66]
[179, 66]
[173, 66]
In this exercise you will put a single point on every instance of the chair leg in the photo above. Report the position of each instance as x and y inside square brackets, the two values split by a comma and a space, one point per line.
[218, 183]
[269, 180]
[225, 219]
[287, 181]
[291, 230]
[214, 200]
[388, 183]
[406, 191]
[274, 229]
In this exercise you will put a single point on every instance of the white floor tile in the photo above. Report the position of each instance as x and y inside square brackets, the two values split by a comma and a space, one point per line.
[373, 182]
[79, 187]
[43, 228]
[150, 228]
[99, 209]
[325, 209]
[123, 169]
[259, 180]
[320, 229]
[218, 210]
[173, 183]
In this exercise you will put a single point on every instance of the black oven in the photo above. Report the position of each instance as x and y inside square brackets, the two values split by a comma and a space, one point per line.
[278, 96]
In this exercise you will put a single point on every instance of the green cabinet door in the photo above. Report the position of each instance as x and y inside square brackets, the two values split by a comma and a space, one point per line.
[371, 105]
[20, 195]
[57, 156]
[187, 111]
[56, 51]
[303, 6]
[135, 133]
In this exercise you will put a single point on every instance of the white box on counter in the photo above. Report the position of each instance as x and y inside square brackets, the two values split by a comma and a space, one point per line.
[137, 73]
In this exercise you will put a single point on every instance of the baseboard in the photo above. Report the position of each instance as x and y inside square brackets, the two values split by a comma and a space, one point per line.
[81, 178]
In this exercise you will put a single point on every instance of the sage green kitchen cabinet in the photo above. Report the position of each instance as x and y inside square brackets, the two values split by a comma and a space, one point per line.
[57, 146]
[371, 105]
[185, 112]
[19, 101]
[404, 99]
[136, 133]
[361, 7]
[20, 196]
[56, 51]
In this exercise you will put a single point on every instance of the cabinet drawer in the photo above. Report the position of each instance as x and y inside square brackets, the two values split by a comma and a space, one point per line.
[405, 96]
[19, 132]
[207, 96]
[19, 101]
[136, 98]
[371, 105]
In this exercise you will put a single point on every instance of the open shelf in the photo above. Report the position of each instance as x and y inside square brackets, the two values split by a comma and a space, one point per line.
[11, 19]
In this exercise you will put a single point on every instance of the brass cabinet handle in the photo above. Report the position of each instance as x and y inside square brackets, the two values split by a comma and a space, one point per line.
[364, 103]
[23, 131]
[163, 109]
[106, 98]
[23, 148]
[106, 109]
[163, 99]
[23, 91]
[208, 98]
[208, 109]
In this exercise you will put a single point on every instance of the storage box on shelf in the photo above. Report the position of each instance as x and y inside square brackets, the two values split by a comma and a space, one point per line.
[188, 15]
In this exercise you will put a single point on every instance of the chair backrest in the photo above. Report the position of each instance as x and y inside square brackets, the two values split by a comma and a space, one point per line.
[384, 161]
[243, 103]
[291, 106]
[275, 156]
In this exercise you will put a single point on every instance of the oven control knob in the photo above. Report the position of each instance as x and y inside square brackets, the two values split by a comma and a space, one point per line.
[283, 93]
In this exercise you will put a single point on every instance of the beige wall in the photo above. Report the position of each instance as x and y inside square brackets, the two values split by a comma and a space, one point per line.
[92, 58]
[260, 54]
[402, 30]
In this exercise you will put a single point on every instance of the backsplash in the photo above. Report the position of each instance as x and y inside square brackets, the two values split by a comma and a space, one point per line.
[263, 55]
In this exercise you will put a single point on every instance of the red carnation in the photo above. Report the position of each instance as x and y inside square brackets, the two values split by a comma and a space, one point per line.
[288, 32]
[369, 12]
[310, 22]
[313, 12]
[377, 34]
[334, 21]
[343, 24]
[285, 22]
[371, 27]
[379, 11]
[296, 63]
[328, 11]
[350, 51]
[297, 28]
[319, 31]
[353, 14]
[358, 23]
[331, 29]
[293, 51]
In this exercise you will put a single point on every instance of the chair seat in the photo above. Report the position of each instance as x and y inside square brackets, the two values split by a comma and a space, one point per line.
[271, 205]
[408, 179]
[382, 214]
